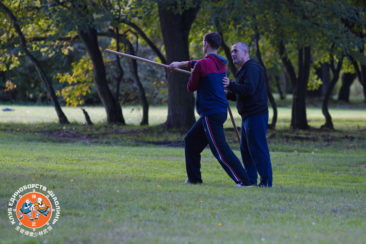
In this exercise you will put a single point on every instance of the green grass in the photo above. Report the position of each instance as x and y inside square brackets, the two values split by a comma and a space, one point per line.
[345, 118]
[47, 114]
[114, 194]
[114, 186]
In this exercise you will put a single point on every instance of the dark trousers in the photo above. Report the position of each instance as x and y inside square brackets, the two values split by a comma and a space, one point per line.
[254, 149]
[209, 130]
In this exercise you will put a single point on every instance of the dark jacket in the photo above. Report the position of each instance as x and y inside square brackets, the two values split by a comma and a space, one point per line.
[249, 90]
[206, 79]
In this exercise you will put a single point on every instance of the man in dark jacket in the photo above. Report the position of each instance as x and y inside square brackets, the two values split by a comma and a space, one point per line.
[250, 92]
[211, 105]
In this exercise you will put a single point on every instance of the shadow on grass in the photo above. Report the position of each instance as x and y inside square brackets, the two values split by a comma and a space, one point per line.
[279, 140]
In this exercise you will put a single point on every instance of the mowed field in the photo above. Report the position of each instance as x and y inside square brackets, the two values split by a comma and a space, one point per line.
[344, 118]
[125, 184]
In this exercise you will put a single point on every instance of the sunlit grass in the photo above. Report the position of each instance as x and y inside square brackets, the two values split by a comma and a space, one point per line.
[343, 118]
[37, 114]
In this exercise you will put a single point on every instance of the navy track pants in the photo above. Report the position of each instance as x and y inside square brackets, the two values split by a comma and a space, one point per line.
[209, 130]
[254, 149]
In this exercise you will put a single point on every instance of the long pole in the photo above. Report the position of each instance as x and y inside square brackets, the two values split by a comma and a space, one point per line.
[233, 122]
[168, 67]
[146, 61]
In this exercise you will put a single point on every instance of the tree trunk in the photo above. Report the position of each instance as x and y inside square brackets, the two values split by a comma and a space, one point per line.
[283, 84]
[47, 82]
[364, 91]
[144, 102]
[328, 118]
[120, 73]
[299, 119]
[3, 78]
[175, 28]
[269, 92]
[87, 117]
[273, 103]
[360, 71]
[134, 68]
[119, 76]
[325, 77]
[298, 113]
[227, 52]
[323, 73]
[361, 75]
[363, 81]
[225, 47]
[113, 110]
[279, 88]
[344, 92]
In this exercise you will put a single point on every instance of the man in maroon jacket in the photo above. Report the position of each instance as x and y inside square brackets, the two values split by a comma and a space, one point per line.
[211, 105]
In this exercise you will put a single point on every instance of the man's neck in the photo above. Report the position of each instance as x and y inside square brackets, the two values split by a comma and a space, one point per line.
[210, 51]
[244, 62]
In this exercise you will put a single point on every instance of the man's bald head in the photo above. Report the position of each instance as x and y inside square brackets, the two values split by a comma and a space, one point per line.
[243, 46]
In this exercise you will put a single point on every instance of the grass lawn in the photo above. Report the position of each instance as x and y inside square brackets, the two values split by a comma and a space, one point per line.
[346, 118]
[118, 185]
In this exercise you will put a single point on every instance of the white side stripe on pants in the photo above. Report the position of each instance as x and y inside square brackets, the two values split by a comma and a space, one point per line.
[221, 158]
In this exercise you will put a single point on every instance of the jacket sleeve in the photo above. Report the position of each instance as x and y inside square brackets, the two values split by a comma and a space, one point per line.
[246, 86]
[192, 63]
[195, 77]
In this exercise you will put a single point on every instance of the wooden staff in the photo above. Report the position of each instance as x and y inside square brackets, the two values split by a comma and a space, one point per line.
[175, 69]
[147, 61]
[233, 122]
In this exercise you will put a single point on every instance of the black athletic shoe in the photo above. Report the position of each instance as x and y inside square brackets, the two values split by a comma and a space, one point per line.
[193, 183]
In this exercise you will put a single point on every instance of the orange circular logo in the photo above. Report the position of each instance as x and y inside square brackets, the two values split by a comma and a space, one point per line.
[33, 209]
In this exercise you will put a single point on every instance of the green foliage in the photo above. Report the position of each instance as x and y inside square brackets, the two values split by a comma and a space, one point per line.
[314, 83]
[79, 82]
[348, 67]
[8, 62]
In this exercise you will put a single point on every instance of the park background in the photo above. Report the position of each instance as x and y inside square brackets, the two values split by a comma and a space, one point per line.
[117, 166]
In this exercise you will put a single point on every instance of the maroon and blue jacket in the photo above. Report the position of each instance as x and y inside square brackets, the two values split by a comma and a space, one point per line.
[206, 79]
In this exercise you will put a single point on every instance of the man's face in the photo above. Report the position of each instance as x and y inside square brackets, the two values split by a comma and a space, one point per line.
[238, 54]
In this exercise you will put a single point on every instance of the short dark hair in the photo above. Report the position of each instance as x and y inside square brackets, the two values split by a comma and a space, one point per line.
[213, 39]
